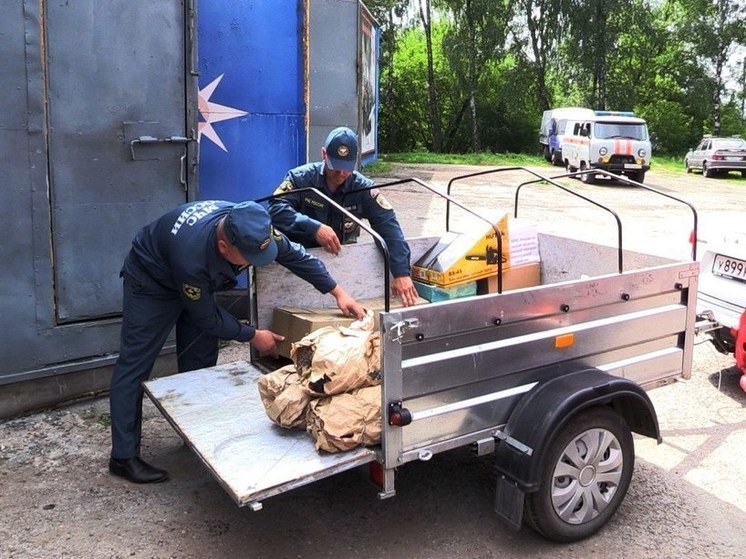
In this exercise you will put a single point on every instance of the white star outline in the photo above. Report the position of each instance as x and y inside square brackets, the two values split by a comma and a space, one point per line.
[213, 112]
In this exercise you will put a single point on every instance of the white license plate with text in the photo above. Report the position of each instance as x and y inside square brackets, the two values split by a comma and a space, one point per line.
[729, 267]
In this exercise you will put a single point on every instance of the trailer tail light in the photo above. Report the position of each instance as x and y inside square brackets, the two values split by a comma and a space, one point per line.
[398, 415]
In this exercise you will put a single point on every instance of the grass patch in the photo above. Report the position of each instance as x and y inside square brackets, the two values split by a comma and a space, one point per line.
[383, 164]
[669, 163]
[484, 158]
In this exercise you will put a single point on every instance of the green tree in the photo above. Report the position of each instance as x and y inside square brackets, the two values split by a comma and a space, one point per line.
[476, 37]
[714, 29]
[544, 23]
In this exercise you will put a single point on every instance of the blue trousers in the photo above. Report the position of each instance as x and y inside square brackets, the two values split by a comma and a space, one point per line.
[150, 312]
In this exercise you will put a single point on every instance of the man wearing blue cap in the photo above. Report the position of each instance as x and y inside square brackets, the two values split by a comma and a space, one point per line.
[308, 219]
[171, 273]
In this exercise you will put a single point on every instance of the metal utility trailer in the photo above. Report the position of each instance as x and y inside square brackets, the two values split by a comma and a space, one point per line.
[551, 379]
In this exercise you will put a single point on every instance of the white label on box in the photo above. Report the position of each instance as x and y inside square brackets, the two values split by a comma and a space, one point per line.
[524, 243]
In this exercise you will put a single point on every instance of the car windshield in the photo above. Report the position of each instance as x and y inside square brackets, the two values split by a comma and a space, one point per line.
[609, 130]
[730, 144]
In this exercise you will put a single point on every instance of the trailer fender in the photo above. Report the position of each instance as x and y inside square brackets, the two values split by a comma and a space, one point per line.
[541, 414]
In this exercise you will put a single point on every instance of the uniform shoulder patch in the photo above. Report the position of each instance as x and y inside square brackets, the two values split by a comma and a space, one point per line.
[286, 186]
[193, 293]
[381, 200]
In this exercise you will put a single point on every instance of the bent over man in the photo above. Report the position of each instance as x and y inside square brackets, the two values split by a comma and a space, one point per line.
[171, 273]
[308, 219]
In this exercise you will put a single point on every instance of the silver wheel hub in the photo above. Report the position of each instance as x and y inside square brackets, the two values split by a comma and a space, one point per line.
[587, 476]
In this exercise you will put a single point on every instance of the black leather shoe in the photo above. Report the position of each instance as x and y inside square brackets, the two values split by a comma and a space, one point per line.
[136, 470]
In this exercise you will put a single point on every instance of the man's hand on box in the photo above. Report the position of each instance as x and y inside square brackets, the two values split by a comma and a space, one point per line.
[265, 341]
[404, 289]
[347, 304]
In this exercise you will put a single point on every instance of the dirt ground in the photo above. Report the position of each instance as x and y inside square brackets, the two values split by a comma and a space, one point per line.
[687, 497]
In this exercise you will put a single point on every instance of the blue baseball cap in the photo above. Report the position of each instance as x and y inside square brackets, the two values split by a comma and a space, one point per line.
[341, 149]
[249, 228]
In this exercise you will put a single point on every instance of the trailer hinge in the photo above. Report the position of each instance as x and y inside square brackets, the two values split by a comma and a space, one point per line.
[518, 445]
[397, 330]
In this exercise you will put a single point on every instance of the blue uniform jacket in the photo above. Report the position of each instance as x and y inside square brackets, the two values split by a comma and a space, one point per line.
[299, 215]
[179, 251]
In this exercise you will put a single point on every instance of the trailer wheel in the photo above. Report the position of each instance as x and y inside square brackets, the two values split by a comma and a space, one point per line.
[585, 476]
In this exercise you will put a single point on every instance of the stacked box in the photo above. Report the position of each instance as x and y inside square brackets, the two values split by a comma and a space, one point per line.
[462, 257]
[458, 258]
[434, 293]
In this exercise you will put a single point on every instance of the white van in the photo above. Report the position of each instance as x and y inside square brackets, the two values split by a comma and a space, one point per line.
[617, 142]
[552, 130]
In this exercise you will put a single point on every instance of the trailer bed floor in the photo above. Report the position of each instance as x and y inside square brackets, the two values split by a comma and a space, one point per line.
[219, 414]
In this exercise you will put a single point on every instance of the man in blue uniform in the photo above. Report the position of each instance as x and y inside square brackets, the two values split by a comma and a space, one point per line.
[171, 273]
[308, 219]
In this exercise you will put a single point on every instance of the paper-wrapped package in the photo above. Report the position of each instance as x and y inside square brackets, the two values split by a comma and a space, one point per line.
[284, 397]
[333, 360]
[346, 421]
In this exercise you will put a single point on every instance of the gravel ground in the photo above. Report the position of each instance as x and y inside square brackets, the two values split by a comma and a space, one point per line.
[687, 497]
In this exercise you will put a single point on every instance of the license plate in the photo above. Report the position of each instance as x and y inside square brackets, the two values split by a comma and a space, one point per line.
[632, 166]
[729, 267]
[733, 158]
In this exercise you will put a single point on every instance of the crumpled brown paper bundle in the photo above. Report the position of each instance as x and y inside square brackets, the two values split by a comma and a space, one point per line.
[284, 397]
[333, 360]
[346, 421]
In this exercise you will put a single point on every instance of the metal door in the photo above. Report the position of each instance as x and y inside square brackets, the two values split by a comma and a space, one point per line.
[119, 138]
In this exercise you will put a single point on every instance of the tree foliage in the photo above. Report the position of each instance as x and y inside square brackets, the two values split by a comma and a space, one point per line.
[475, 75]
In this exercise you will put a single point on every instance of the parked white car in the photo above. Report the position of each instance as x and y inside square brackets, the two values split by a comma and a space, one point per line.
[717, 155]
[722, 295]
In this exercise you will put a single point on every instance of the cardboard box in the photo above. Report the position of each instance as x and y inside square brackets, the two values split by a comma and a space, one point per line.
[517, 277]
[435, 293]
[461, 257]
[295, 323]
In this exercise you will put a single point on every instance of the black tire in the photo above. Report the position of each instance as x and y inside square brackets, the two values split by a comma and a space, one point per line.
[706, 171]
[557, 158]
[638, 176]
[587, 178]
[574, 473]
[546, 154]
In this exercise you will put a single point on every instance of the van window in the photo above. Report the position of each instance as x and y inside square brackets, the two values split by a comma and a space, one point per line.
[561, 126]
[608, 130]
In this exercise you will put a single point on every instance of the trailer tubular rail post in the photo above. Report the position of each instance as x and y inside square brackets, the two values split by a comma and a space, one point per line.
[542, 178]
[450, 200]
[627, 180]
[379, 241]
[620, 249]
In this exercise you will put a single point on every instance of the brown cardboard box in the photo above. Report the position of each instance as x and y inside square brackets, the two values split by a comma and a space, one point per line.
[517, 277]
[294, 323]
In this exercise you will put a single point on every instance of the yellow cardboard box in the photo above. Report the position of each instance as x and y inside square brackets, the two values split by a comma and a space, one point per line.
[461, 257]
